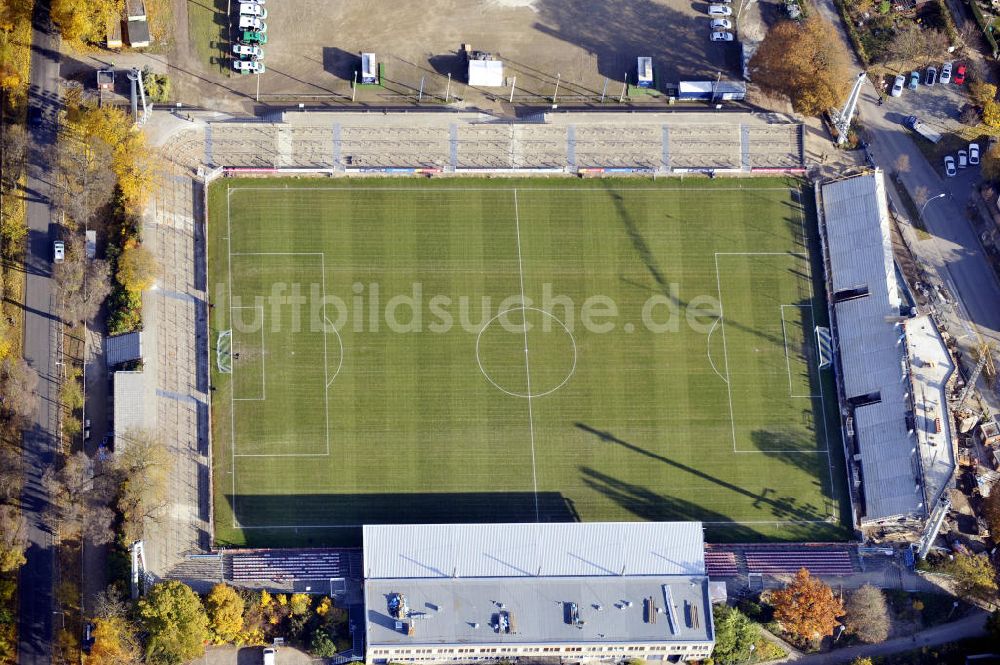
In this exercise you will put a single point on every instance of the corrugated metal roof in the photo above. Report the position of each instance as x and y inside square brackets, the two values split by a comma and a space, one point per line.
[123, 348]
[524, 550]
[135, 404]
[871, 351]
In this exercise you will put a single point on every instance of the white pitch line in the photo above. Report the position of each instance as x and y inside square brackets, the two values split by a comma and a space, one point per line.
[232, 388]
[725, 352]
[527, 363]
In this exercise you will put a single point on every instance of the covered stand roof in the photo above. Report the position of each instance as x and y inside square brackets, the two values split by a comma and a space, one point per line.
[870, 336]
[531, 550]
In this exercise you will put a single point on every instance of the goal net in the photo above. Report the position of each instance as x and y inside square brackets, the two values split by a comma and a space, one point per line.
[224, 351]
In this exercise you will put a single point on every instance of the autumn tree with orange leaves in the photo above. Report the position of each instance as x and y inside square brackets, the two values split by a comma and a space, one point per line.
[806, 607]
[804, 62]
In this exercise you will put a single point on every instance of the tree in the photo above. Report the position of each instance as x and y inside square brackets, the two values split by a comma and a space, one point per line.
[137, 268]
[109, 604]
[991, 504]
[806, 607]
[982, 92]
[991, 171]
[905, 44]
[18, 382]
[804, 62]
[13, 538]
[143, 469]
[176, 624]
[734, 635]
[115, 642]
[991, 113]
[225, 613]
[868, 614]
[322, 645]
[98, 525]
[299, 602]
[974, 575]
[82, 283]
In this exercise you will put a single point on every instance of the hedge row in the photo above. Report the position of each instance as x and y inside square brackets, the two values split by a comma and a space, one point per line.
[852, 32]
[984, 25]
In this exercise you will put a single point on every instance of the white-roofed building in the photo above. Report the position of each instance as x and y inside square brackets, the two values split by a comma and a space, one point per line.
[875, 381]
[579, 591]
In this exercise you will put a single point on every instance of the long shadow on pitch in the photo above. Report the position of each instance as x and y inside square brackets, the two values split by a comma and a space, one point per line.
[304, 519]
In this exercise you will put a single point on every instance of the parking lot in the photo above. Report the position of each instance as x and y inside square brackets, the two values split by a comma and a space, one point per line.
[313, 47]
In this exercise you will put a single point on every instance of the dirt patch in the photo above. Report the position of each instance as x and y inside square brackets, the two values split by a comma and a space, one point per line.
[314, 47]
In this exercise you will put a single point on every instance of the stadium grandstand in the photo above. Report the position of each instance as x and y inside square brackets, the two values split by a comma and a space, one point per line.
[582, 591]
[899, 447]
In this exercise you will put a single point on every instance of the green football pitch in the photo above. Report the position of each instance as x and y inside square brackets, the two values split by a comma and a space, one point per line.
[392, 351]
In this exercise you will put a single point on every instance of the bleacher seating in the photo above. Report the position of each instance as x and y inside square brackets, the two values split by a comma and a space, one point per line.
[291, 565]
[721, 564]
[817, 562]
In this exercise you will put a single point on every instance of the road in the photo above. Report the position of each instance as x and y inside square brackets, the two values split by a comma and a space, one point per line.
[970, 626]
[40, 333]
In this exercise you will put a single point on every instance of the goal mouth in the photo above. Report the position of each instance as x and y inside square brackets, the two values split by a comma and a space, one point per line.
[224, 351]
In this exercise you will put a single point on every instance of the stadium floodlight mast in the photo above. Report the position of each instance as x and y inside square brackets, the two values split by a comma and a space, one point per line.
[842, 118]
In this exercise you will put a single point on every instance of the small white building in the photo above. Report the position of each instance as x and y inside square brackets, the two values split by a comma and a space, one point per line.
[581, 592]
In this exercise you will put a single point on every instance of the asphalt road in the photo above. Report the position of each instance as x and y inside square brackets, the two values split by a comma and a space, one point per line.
[953, 252]
[36, 610]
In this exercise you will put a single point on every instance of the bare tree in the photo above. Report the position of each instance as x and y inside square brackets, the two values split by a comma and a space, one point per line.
[867, 614]
[13, 538]
[82, 283]
[82, 176]
[98, 524]
[18, 383]
[143, 467]
[109, 604]
[14, 149]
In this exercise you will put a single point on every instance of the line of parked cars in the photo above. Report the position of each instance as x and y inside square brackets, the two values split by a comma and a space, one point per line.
[248, 53]
[721, 25]
[966, 158]
[931, 76]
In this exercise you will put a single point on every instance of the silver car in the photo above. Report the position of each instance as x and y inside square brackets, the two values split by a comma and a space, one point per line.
[248, 66]
[248, 51]
[719, 10]
[722, 24]
[897, 86]
[721, 37]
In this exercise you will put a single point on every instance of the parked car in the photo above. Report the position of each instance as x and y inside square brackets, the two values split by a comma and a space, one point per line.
[248, 51]
[897, 86]
[720, 10]
[58, 251]
[252, 9]
[930, 78]
[945, 73]
[974, 154]
[88, 638]
[963, 158]
[248, 66]
[721, 37]
[949, 166]
[253, 37]
[270, 656]
[959, 77]
[914, 80]
[722, 24]
[252, 23]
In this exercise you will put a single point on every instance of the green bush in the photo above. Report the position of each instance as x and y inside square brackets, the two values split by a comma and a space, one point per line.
[157, 86]
[884, 7]
[322, 645]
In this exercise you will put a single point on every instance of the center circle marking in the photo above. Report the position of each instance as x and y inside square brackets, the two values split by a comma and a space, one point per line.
[526, 395]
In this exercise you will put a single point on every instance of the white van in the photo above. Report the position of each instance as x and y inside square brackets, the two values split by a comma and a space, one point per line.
[252, 23]
[270, 656]
[252, 9]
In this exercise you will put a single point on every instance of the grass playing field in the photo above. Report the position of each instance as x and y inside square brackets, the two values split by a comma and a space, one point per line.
[517, 350]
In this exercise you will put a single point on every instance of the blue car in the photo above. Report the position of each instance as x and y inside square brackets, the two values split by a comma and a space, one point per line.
[914, 80]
